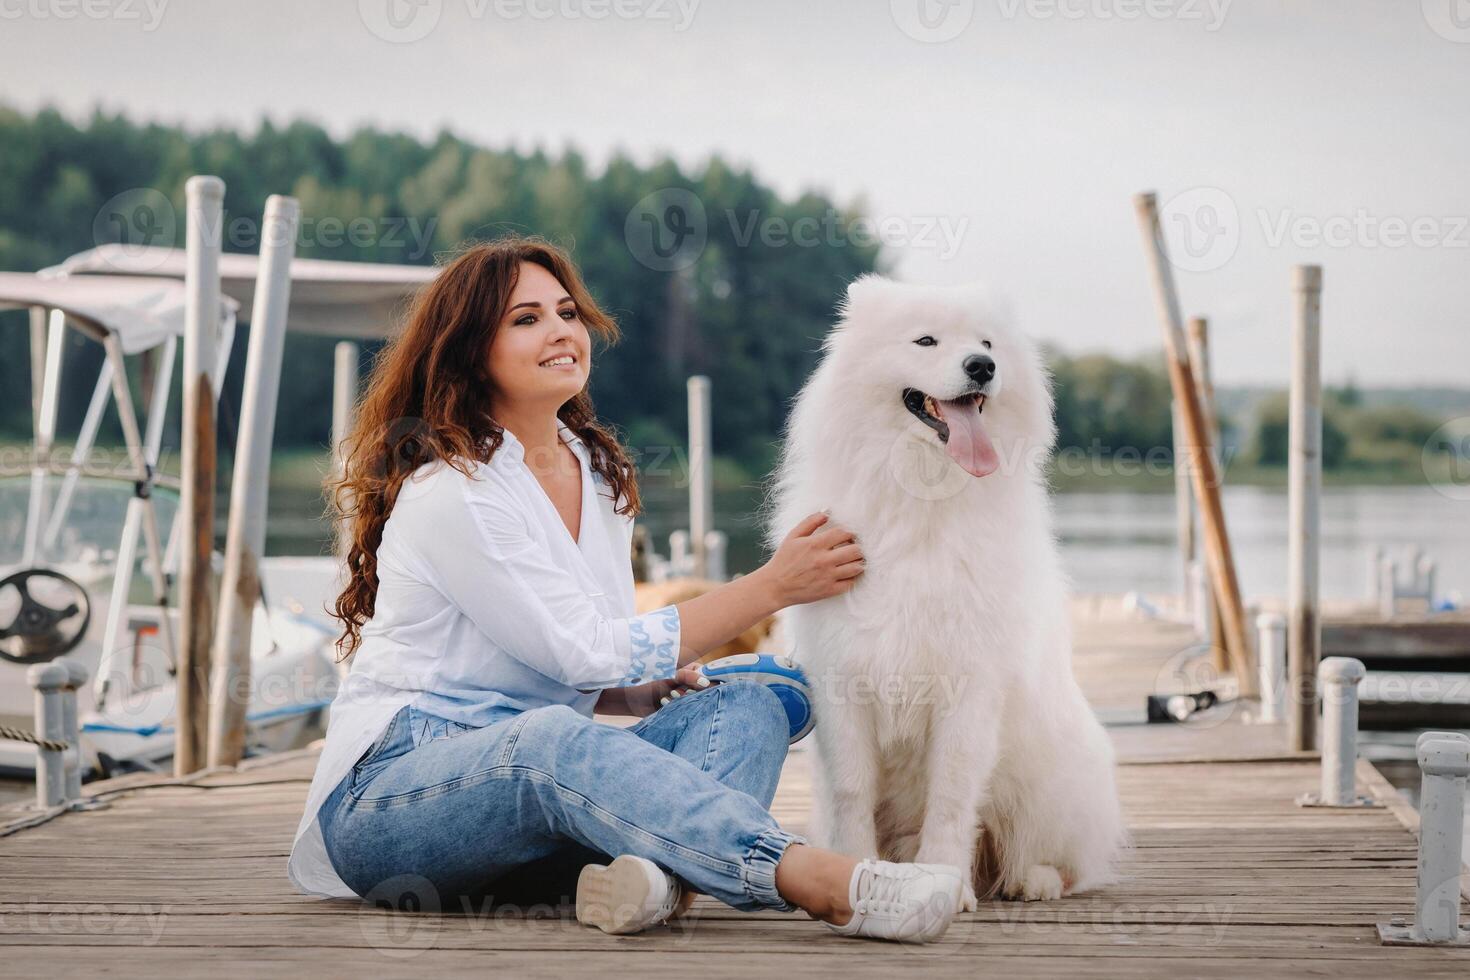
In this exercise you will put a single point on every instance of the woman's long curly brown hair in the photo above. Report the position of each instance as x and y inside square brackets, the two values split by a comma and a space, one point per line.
[428, 398]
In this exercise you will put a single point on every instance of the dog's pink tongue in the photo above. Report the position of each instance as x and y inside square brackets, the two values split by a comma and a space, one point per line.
[969, 444]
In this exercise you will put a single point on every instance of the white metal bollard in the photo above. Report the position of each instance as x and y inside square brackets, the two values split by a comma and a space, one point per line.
[76, 679]
[1444, 761]
[1425, 581]
[701, 474]
[716, 544]
[1388, 587]
[59, 771]
[1271, 662]
[1337, 683]
[50, 681]
[679, 558]
[1200, 605]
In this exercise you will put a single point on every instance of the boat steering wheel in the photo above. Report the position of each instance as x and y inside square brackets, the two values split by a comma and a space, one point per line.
[37, 631]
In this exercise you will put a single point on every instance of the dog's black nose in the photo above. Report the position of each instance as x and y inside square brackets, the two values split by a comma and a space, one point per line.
[981, 367]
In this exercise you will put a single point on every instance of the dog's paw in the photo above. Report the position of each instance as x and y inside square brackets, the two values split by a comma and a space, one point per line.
[968, 900]
[1041, 883]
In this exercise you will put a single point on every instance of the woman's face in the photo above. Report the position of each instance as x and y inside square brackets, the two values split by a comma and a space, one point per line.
[541, 352]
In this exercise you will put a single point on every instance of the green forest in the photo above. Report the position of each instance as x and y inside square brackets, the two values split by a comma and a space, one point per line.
[749, 310]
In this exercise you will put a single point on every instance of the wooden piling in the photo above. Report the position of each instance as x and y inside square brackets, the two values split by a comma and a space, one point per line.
[344, 408]
[205, 204]
[701, 474]
[1199, 362]
[1203, 470]
[1303, 623]
[245, 543]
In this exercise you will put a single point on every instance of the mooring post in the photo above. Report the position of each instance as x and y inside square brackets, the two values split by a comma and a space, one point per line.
[1427, 569]
[1304, 627]
[49, 681]
[1201, 608]
[1205, 474]
[679, 553]
[1444, 764]
[1338, 680]
[1388, 587]
[239, 591]
[202, 246]
[716, 544]
[1271, 651]
[1184, 513]
[344, 407]
[701, 473]
[76, 679]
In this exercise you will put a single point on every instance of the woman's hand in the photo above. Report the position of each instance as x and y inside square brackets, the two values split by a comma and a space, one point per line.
[817, 560]
[642, 700]
[685, 681]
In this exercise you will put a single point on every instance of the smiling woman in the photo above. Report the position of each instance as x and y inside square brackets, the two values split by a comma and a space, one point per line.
[488, 610]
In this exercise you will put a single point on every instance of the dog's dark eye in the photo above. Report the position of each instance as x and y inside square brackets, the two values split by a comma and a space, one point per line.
[926, 341]
[985, 344]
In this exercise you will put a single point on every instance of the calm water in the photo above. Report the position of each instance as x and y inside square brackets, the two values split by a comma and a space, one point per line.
[1117, 542]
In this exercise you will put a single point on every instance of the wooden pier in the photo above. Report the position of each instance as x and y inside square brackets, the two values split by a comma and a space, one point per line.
[1228, 877]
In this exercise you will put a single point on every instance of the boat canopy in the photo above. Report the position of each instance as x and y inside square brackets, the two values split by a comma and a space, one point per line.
[337, 299]
[141, 311]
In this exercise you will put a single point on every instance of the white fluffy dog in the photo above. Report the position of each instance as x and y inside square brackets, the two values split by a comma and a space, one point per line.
[949, 726]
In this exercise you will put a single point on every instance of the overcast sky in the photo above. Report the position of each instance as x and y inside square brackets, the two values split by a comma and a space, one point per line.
[997, 139]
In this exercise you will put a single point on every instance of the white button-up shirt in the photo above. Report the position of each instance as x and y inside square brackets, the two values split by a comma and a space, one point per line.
[487, 607]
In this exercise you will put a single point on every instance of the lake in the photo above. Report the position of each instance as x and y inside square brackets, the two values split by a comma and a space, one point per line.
[1121, 541]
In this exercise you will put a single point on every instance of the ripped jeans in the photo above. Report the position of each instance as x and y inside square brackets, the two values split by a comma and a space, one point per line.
[441, 812]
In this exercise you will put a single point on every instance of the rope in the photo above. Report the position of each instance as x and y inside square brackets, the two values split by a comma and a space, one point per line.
[21, 735]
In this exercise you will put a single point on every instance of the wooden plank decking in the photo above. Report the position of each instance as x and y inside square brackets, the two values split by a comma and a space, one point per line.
[1228, 878]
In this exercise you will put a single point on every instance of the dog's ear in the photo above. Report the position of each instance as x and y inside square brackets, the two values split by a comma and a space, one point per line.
[860, 293]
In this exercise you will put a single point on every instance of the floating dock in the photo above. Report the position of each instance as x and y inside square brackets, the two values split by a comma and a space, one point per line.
[1228, 878]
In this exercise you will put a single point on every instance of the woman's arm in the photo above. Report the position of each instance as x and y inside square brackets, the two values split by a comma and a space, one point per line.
[812, 563]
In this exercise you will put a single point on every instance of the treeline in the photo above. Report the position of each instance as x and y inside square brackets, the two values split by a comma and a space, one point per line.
[739, 283]
[1107, 405]
[740, 301]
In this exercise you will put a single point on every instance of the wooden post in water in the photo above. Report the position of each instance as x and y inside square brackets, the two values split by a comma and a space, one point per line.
[245, 544]
[1303, 622]
[205, 204]
[344, 407]
[1203, 470]
[1199, 363]
[701, 474]
[1183, 508]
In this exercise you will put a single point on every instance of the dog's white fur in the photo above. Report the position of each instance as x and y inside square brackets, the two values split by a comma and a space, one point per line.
[950, 728]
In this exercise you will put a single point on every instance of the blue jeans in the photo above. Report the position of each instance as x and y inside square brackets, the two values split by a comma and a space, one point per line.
[437, 812]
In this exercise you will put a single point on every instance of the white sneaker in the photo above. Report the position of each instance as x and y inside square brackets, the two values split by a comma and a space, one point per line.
[911, 903]
[626, 896]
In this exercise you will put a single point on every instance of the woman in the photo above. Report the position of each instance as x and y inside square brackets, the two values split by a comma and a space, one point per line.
[488, 608]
